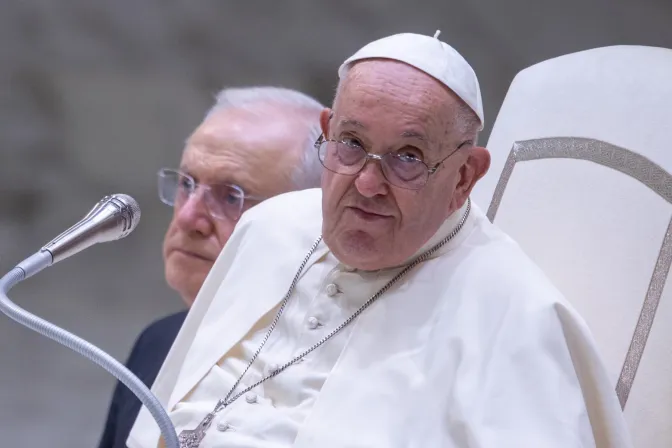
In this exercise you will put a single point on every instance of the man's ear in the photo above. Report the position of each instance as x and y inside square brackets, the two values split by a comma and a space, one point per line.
[474, 168]
[325, 118]
[480, 159]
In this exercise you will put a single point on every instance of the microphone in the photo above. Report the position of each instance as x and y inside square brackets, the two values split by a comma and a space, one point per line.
[112, 218]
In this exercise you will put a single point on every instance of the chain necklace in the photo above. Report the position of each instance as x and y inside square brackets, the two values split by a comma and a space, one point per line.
[191, 438]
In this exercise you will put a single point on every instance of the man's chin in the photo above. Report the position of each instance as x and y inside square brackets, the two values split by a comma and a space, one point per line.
[183, 268]
[361, 250]
[185, 283]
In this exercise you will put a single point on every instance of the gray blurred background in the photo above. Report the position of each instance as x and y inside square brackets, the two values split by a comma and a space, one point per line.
[95, 97]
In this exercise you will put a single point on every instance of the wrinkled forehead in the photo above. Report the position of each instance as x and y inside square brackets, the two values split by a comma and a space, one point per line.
[385, 95]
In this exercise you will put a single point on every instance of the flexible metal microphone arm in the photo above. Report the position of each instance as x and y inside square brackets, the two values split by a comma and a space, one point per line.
[45, 258]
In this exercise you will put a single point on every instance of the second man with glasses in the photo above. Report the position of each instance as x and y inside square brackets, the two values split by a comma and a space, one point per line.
[253, 144]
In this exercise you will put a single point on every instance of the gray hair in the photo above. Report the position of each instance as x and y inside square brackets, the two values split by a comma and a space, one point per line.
[468, 122]
[309, 171]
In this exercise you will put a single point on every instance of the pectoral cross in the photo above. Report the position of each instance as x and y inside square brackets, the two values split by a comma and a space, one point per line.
[191, 438]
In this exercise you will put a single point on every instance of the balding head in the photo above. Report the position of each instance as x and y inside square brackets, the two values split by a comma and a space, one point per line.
[297, 107]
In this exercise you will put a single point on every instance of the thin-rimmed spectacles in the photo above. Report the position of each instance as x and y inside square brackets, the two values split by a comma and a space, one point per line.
[403, 170]
[223, 201]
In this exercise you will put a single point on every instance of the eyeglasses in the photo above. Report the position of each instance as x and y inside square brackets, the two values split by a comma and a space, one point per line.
[401, 170]
[223, 201]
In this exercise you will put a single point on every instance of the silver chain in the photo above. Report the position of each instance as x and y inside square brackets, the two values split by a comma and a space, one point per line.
[228, 399]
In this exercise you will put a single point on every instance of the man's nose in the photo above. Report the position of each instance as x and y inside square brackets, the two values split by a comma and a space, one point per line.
[370, 180]
[192, 214]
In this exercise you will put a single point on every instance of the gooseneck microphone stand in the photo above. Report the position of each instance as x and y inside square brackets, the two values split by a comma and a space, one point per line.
[97, 226]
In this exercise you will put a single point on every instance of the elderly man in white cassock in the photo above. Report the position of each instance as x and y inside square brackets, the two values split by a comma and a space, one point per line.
[384, 309]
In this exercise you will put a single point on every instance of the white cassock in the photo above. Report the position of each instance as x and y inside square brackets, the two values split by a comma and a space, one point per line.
[473, 348]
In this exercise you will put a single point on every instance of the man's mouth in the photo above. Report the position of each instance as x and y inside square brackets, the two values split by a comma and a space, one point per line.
[193, 254]
[367, 215]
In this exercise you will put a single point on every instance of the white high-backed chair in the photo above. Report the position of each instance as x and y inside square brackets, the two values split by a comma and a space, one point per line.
[580, 178]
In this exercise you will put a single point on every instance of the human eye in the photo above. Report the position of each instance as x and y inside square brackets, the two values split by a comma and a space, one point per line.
[232, 198]
[349, 151]
[225, 194]
[184, 182]
[351, 142]
[409, 155]
[407, 164]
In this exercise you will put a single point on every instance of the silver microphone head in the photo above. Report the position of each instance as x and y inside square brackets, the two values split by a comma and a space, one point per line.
[129, 212]
[112, 218]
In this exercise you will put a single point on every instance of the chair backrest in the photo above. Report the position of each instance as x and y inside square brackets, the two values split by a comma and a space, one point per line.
[580, 177]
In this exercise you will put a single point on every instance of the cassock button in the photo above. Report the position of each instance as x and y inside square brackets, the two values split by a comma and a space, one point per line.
[272, 368]
[313, 323]
[251, 397]
[332, 290]
[222, 426]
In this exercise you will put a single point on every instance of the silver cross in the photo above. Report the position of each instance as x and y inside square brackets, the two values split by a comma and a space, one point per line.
[192, 438]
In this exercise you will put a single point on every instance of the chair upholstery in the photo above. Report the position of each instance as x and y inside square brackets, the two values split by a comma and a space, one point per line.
[580, 178]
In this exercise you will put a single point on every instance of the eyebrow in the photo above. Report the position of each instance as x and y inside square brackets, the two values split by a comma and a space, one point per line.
[185, 169]
[354, 123]
[414, 134]
[406, 134]
[359, 124]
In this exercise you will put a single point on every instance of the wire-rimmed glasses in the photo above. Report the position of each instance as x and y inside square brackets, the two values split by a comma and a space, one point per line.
[223, 201]
[401, 170]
